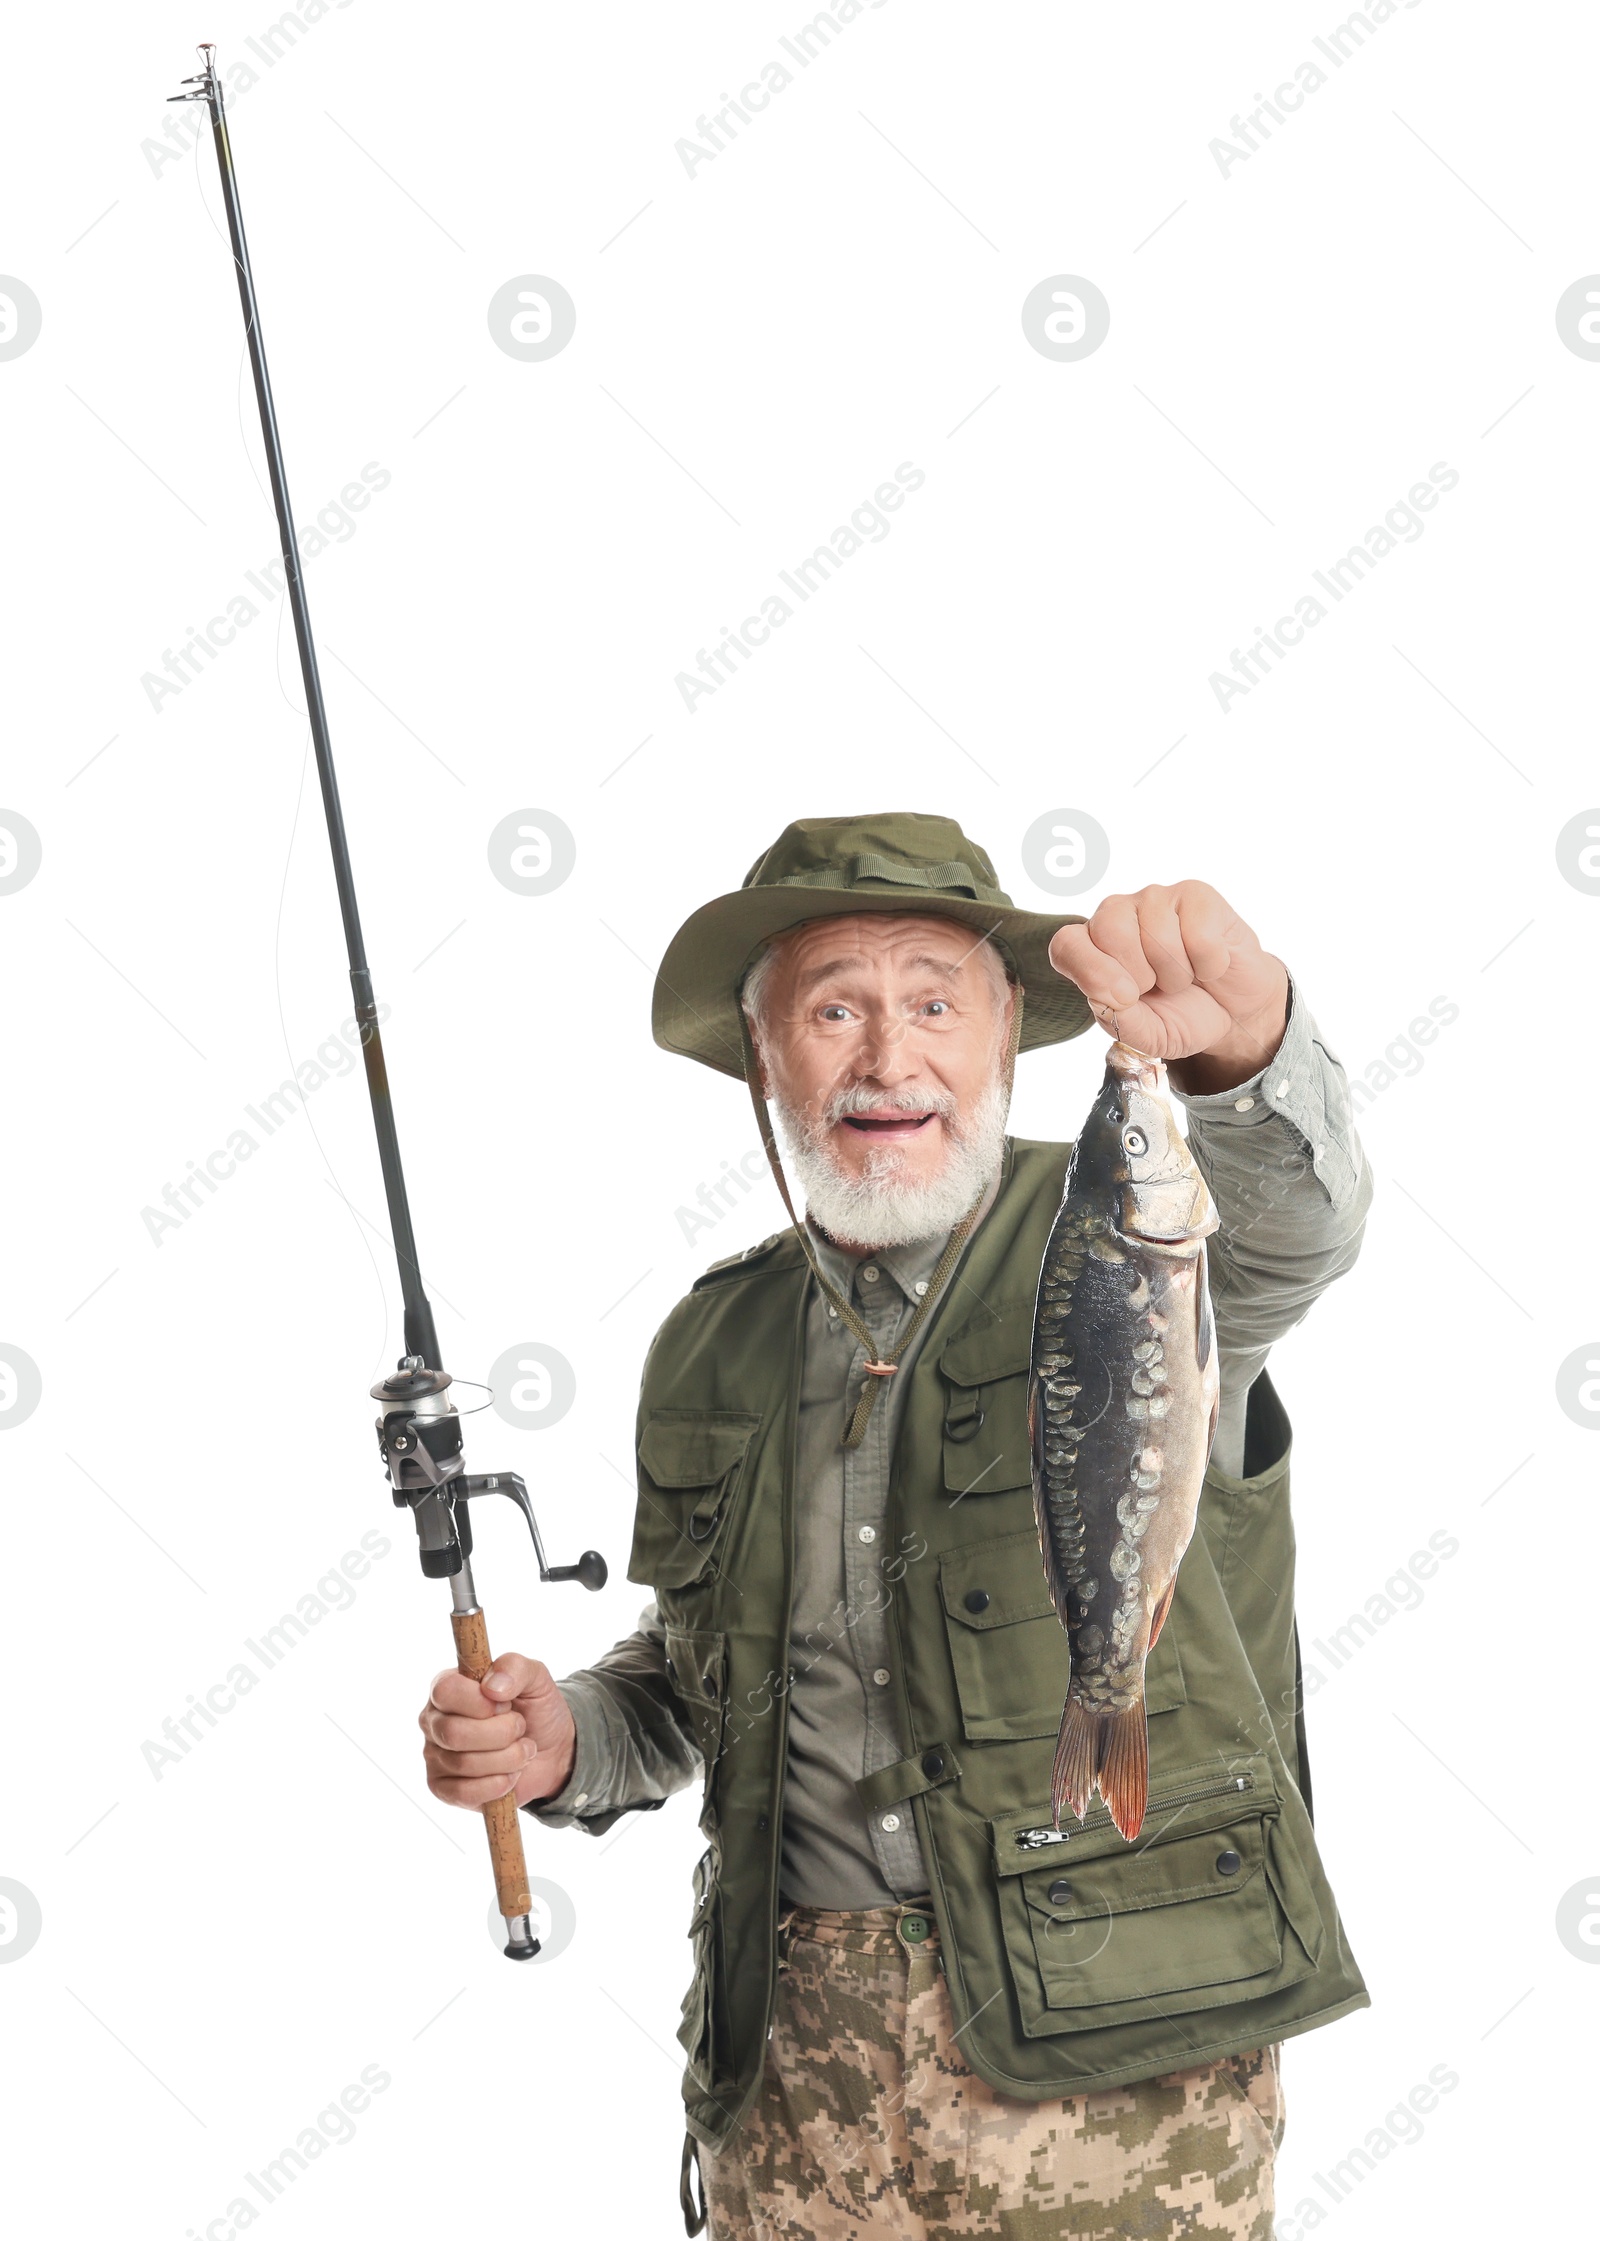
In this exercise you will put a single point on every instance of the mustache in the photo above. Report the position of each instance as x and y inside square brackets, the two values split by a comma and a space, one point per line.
[843, 1104]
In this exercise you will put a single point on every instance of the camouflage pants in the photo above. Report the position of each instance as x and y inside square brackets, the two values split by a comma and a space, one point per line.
[869, 2126]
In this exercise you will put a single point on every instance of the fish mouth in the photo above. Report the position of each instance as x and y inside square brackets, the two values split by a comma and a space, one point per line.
[1136, 1066]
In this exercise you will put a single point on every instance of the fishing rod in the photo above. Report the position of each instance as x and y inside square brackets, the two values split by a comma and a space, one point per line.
[419, 1430]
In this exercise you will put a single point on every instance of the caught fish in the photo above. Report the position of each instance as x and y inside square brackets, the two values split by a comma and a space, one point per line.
[1122, 1409]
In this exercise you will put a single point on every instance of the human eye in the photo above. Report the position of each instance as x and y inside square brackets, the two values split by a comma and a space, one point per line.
[834, 1015]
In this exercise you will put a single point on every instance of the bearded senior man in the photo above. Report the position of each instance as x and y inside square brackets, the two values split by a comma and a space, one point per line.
[917, 2008]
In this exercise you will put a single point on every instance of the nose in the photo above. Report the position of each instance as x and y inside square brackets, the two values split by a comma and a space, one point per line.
[881, 1055]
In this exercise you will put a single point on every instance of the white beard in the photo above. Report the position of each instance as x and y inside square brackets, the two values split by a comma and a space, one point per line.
[883, 1206]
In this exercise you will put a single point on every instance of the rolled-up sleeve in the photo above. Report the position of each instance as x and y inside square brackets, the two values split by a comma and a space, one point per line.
[634, 1746]
[1291, 1185]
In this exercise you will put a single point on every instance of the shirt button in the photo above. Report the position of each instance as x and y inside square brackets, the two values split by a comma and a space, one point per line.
[833, 1315]
[580, 1801]
[921, 1288]
[869, 1276]
[1243, 1104]
[1280, 1089]
[866, 1532]
[881, 1676]
[889, 1823]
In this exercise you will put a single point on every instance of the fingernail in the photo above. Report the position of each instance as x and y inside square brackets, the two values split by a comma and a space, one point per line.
[530, 1751]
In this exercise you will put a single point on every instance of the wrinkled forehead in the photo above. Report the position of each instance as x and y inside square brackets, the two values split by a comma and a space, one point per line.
[875, 942]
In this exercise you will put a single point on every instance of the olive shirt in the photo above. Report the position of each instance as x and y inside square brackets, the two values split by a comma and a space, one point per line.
[1286, 1171]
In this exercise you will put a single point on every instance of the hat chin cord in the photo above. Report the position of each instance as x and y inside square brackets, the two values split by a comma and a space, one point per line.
[879, 1367]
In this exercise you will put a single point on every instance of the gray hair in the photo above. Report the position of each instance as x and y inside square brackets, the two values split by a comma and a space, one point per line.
[753, 988]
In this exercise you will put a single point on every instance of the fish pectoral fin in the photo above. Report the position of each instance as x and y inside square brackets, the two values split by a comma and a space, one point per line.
[1205, 1325]
[1159, 1617]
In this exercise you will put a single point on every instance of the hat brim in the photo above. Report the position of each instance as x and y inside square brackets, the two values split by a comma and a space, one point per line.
[695, 1011]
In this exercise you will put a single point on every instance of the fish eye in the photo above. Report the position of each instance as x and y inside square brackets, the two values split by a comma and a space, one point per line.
[1135, 1140]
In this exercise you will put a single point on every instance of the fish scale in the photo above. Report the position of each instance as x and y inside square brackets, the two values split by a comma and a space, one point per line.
[1122, 1406]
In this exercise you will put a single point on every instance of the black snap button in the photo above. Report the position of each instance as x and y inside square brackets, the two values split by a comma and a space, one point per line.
[1060, 1891]
[762, 1821]
[933, 1764]
[1228, 1863]
[710, 1685]
[977, 1599]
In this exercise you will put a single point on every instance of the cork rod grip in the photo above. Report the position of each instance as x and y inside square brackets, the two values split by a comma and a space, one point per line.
[500, 1814]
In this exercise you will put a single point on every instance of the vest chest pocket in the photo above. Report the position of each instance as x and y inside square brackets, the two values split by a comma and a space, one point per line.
[984, 1375]
[691, 1468]
[1009, 1649]
[1206, 1912]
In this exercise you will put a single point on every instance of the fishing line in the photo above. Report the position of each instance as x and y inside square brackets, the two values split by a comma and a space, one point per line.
[383, 1351]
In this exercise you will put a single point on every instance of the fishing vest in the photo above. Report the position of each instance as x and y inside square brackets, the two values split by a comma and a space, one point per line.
[1076, 1960]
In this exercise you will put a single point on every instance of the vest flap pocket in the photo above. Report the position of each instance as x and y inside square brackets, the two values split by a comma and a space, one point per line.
[1101, 1932]
[1009, 1649]
[694, 2029]
[1006, 1643]
[690, 1465]
[985, 1373]
[693, 1447]
[697, 1666]
[1000, 1346]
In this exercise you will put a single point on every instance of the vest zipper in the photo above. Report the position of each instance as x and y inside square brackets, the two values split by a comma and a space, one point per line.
[791, 1464]
[1032, 1840]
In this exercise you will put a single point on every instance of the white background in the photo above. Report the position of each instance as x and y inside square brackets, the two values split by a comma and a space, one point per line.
[838, 291]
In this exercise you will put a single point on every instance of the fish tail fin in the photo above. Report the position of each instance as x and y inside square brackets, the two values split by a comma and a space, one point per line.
[1125, 1768]
[1077, 1760]
[1105, 1750]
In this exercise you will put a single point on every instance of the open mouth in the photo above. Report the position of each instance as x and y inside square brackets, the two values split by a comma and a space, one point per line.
[887, 1124]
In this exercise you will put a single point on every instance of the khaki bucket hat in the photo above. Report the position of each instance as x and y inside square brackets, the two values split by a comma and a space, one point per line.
[836, 867]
